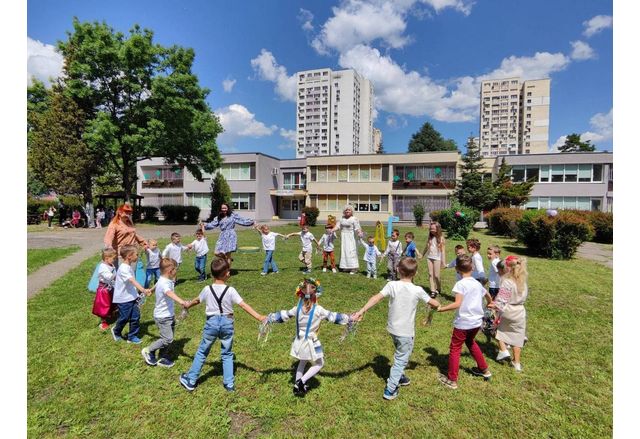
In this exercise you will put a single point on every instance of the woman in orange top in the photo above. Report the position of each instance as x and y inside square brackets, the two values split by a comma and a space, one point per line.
[121, 230]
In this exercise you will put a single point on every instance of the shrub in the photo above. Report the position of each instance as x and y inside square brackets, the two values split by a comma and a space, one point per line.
[457, 221]
[37, 207]
[311, 214]
[602, 223]
[180, 214]
[556, 237]
[149, 213]
[503, 221]
[418, 213]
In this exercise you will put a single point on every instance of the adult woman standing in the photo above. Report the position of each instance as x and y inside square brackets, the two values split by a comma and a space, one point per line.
[121, 230]
[434, 252]
[228, 239]
[349, 226]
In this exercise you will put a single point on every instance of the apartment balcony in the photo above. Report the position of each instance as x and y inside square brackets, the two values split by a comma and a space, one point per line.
[157, 184]
[424, 184]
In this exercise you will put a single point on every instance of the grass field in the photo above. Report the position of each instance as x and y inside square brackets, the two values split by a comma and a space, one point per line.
[39, 257]
[81, 383]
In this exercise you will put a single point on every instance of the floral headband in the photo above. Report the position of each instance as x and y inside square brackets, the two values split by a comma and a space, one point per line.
[301, 290]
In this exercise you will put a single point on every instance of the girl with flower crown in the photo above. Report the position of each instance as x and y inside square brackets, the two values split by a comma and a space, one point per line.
[306, 346]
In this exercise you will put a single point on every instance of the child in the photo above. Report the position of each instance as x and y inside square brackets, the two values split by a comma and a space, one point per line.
[411, 250]
[201, 248]
[219, 299]
[107, 278]
[403, 301]
[493, 254]
[99, 218]
[459, 252]
[125, 296]
[174, 249]
[468, 321]
[153, 262]
[327, 248]
[434, 251]
[510, 301]
[473, 247]
[393, 254]
[305, 254]
[269, 246]
[163, 315]
[371, 255]
[306, 346]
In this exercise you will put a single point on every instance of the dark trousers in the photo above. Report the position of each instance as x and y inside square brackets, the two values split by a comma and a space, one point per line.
[128, 312]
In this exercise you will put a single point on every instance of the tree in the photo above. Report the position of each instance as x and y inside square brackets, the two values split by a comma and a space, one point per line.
[428, 139]
[140, 99]
[573, 144]
[220, 194]
[507, 192]
[472, 191]
[381, 148]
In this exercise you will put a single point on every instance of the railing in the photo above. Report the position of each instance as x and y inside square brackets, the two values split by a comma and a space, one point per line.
[175, 183]
[294, 186]
[424, 184]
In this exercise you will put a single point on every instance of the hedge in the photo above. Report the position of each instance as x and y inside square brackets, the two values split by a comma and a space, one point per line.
[311, 213]
[457, 221]
[602, 223]
[503, 221]
[180, 214]
[149, 214]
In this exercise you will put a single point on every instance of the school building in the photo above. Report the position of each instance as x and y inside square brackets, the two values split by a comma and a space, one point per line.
[376, 185]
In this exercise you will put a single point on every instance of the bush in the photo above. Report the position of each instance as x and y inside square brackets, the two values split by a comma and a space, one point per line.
[457, 221]
[149, 213]
[418, 213]
[602, 223]
[37, 207]
[503, 221]
[180, 214]
[311, 214]
[556, 237]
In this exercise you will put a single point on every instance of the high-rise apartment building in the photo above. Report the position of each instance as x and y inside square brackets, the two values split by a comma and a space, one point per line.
[333, 113]
[377, 140]
[514, 116]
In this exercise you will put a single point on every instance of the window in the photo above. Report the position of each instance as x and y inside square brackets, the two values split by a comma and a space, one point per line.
[533, 173]
[314, 176]
[597, 173]
[243, 201]
[293, 180]
[385, 172]
[376, 174]
[201, 200]
[332, 173]
[583, 203]
[557, 172]
[596, 203]
[354, 173]
[322, 173]
[584, 173]
[364, 173]
[343, 171]
[239, 171]
[517, 173]
[570, 173]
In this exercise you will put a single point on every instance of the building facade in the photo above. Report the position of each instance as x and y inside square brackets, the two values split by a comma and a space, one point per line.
[514, 116]
[377, 140]
[333, 113]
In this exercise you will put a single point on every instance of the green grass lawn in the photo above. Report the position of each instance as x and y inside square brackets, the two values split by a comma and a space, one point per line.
[81, 383]
[39, 257]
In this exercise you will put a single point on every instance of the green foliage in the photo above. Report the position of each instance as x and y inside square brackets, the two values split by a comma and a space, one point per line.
[573, 144]
[418, 213]
[429, 139]
[504, 220]
[149, 214]
[37, 207]
[472, 191]
[311, 213]
[556, 237]
[220, 194]
[457, 221]
[507, 192]
[602, 223]
[180, 214]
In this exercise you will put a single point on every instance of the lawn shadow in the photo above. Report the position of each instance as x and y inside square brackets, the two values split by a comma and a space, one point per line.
[176, 349]
[521, 250]
[441, 361]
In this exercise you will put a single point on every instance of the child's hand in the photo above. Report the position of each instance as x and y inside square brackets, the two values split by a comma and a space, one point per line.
[434, 304]
[357, 316]
[148, 291]
[186, 304]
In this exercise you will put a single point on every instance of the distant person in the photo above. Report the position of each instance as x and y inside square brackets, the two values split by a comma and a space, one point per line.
[349, 226]
[434, 251]
[99, 218]
[50, 214]
[75, 217]
[269, 247]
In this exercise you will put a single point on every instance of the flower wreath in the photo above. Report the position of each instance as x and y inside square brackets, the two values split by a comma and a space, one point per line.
[301, 291]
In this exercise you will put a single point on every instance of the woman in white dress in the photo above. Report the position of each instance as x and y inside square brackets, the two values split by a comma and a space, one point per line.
[349, 226]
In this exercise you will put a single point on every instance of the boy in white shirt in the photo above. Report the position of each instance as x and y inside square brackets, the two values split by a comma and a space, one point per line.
[174, 250]
[201, 248]
[126, 297]
[466, 324]
[473, 247]
[403, 301]
[459, 252]
[371, 255]
[164, 315]
[153, 262]
[305, 254]
[219, 299]
[269, 246]
[326, 243]
[493, 254]
[393, 253]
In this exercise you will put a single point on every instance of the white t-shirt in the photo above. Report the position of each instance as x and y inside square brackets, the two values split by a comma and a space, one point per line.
[327, 241]
[403, 301]
[124, 291]
[478, 268]
[200, 246]
[307, 239]
[393, 247]
[107, 274]
[269, 240]
[494, 277]
[470, 313]
[174, 251]
[230, 298]
[164, 303]
[153, 258]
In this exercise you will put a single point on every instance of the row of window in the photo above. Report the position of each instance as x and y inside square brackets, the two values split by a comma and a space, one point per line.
[239, 201]
[586, 173]
[424, 173]
[579, 203]
[161, 174]
[360, 203]
[350, 173]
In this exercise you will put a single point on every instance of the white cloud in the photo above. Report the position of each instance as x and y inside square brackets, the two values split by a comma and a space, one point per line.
[43, 61]
[393, 121]
[290, 136]
[306, 18]
[597, 24]
[458, 5]
[581, 51]
[601, 130]
[228, 84]
[238, 121]
[267, 68]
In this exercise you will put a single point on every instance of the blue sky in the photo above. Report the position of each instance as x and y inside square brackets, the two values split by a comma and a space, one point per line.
[424, 57]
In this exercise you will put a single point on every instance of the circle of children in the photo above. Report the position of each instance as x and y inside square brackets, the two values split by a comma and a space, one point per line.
[504, 316]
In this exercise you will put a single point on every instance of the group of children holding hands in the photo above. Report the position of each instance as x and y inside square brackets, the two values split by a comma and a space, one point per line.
[506, 295]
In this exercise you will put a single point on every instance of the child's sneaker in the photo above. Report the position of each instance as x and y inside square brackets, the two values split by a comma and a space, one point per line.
[324, 269]
[375, 276]
[165, 362]
[300, 388]
[133, 339]
[113, 333]
[263, 274]
[404, 380]
[307, 271]
[486, 374]
[389, 395]
[334, 270]
[516, 366]
[185, 383]
[229, 388]
[503, 355]
[103, 326]
[447, 382]
[368, 275]
[149, 357]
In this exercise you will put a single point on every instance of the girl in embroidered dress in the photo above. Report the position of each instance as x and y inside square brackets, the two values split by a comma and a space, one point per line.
[306, 346]
[228, 240]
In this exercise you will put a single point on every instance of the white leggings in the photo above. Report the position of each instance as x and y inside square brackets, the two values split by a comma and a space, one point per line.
[314, 369]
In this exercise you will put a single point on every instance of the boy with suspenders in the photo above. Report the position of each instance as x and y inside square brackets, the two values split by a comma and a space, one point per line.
[219, 299]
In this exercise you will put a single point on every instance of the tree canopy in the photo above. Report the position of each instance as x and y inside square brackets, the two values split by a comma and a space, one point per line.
[473, 191]
[508, 193]
[429, 139]
[220, 194]
[573, 144]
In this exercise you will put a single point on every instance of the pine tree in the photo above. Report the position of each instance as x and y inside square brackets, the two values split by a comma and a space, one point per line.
[573, 144]
[429, 139]
[507, 192]
[220, 194]
[472, 191]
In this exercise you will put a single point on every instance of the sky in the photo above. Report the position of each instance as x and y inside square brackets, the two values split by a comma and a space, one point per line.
[425, 58]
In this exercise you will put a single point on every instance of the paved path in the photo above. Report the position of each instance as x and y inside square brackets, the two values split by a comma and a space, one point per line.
[90, 242]
[601, 253]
